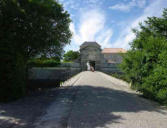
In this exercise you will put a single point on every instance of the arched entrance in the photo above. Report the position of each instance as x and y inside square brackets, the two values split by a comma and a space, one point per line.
[92, 64]
[90, 55]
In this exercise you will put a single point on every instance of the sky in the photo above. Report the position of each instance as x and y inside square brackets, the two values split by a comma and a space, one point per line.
[108, 22]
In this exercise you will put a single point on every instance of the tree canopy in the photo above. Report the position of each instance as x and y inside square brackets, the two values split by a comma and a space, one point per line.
[34, 26]
[28, 28]
[71, 55]
[146, 63]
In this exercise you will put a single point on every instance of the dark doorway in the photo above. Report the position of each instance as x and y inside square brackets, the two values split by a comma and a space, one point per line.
[93, 64]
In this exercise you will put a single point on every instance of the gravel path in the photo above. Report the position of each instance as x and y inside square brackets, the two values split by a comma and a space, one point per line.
[88, 100]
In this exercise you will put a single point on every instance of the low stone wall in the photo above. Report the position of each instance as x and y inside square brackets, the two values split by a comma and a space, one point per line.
[110, 68]
[52, 76]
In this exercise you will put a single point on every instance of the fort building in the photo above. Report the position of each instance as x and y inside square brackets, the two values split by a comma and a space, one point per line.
[101, 59]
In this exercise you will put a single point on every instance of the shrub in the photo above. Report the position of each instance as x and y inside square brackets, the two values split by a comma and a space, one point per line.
[121, 76]
[12, 72]
[155, 85]
[71, 56]
[43, 63]
[145, 64]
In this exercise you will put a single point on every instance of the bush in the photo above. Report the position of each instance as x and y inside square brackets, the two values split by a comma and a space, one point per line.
[121, 76]
[146, 63]
[155, 85]
[71, 56]
[43, 63]
[12, 72]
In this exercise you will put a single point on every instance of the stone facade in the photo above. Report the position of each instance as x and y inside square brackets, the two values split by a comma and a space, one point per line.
[92, 53]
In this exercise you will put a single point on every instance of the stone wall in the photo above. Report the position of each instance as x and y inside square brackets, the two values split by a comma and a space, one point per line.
[90, 51]
[112, 57]
[52, 76]
[110, 68]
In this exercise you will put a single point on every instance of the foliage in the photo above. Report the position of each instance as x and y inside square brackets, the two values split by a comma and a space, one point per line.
[28, 28]
[121, 76]
[43, 63]
[71, 56]
[34, 26]
[12, 80]
[146, 63]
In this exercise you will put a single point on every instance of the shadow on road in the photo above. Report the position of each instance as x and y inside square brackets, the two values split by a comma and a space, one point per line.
[97, 106]
[91, 107]
[24, 112]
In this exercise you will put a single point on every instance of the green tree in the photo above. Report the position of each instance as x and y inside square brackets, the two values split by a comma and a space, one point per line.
[145, 64]
[34, 26]
[28, 28]
[71, 56]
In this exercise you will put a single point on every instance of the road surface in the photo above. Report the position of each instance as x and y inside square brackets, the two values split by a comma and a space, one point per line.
[96, 100]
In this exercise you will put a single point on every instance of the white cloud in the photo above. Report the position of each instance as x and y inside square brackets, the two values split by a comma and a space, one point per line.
[121, 7]
[127, 35]
[91, 28]
[141, 3]
[70, 4]
[75, 4]
[127, 7]
[91, 1]
[104, 38]
[91, 23]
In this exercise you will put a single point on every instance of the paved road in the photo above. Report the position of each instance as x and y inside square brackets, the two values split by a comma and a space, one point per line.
[97, 100]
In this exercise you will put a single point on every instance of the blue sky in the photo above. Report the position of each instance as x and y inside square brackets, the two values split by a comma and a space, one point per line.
[108, 22]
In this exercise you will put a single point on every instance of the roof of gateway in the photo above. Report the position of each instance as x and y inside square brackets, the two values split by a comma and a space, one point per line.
[86, 43]
[114, 50]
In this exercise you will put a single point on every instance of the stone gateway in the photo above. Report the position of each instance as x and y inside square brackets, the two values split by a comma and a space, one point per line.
[104, 60]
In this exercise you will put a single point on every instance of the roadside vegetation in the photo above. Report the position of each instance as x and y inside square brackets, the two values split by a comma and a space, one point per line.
[145, 65]
[38, 62]
[71, 56]
[44, 61]
[121, 76]
[29, 28]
